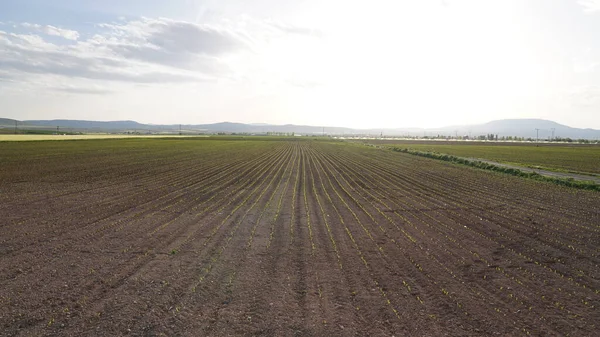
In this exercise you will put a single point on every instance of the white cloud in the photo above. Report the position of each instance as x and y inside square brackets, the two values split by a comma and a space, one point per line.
[54, 31]
[292, 29]
[585, 96]
[30, 55]
[64, 33]
[144, 51]
[590, 6]
[80, 90]
[172, 43]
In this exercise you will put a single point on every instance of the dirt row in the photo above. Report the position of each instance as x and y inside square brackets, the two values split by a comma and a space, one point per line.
[295, 237]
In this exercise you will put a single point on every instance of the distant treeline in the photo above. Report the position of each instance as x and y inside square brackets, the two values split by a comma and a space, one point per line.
[492, 137]
[36, 132]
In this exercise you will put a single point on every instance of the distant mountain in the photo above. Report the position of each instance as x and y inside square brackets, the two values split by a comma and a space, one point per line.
[525, 128]
[81, 124]
[506, 127]
[7, 121]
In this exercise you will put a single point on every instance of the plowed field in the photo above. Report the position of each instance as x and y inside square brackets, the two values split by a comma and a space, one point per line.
[286, 237]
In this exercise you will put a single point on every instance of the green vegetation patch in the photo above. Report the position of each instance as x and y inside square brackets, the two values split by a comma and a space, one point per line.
[586, 185]
[562, 158]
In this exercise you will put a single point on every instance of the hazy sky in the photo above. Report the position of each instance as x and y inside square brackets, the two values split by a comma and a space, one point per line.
[411, 63]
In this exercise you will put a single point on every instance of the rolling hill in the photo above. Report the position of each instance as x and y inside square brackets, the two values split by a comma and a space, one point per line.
[506, 127]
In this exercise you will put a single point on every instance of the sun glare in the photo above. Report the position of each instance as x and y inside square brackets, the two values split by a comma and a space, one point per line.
[402, 61]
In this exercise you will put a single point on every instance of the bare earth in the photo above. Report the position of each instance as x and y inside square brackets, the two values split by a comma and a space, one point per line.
[295, 238]
[21, 138]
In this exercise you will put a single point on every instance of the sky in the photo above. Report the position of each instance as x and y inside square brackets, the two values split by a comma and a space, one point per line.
[360, 64]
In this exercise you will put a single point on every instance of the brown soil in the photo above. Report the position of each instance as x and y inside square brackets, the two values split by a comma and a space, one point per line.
[297, 238]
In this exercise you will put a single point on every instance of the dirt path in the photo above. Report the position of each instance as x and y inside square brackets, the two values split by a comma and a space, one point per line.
[294, 238]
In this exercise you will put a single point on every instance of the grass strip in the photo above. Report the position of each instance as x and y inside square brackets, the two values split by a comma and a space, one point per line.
[569, 182]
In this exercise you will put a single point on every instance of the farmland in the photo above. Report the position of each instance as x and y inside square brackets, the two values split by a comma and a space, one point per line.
[558, 156]
[38, 137]
[274, 236]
